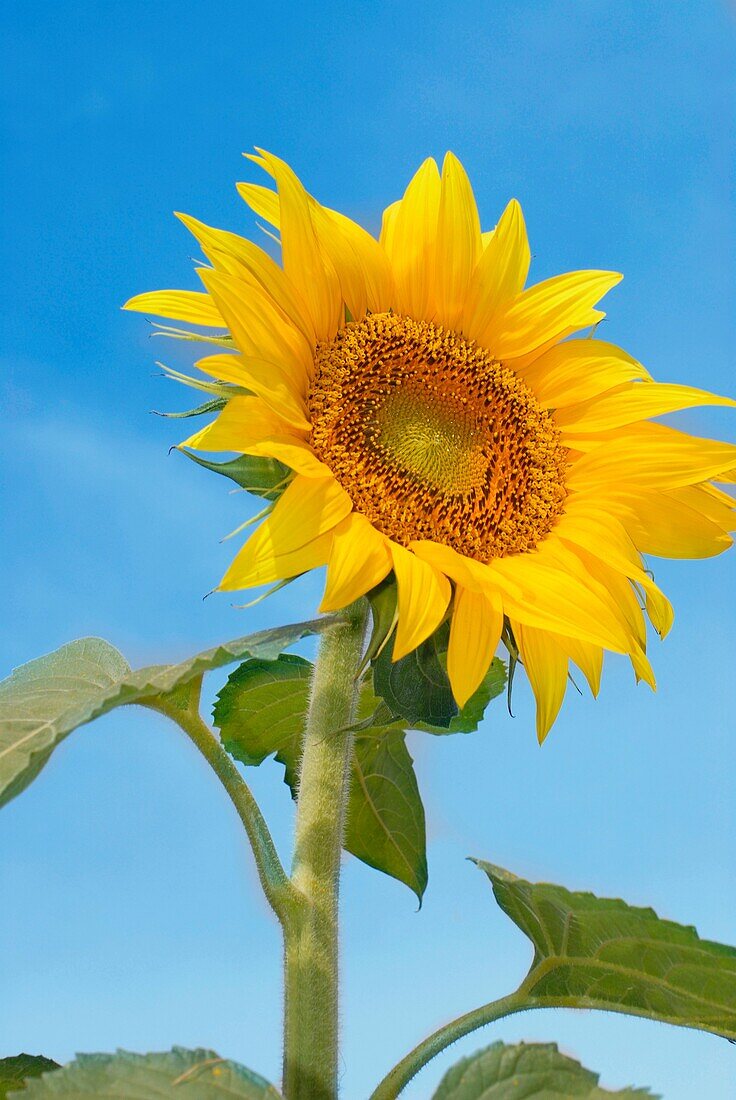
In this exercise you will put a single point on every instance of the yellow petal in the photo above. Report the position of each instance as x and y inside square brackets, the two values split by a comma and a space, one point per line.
[307, 509]
[634, 402]
[588, 658]
[424, 594]
[302, 258]
[521, 363]
[458, 242]
[577, 370]
[594, 529]
[258, 327]
[671, 524]
[243, 421]
[475, 632]
[262, 200]
[411, 243]
[546, 666]
[294, 453]
[464, 571]
[500, 273]
[244, 572]
[237, 255]
[387, 224]
[652, 456]
[642, 668]
[179, 305]
[620, 592]
[359, 560]
[556, 601]
[340, 254]
[249, 426]
[360, 262]
[278, 388]
[718, 506]
[546, 311]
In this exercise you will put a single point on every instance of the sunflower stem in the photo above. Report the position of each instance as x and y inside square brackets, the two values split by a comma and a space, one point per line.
[311, 937]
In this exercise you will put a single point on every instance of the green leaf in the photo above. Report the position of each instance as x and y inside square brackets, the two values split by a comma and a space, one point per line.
[385, 819]
[601, 953]
[44, 700]
[199, 1074]
[417, 689]
[260, 712]
[526, 1070]
[15, 1071]
[264, 477]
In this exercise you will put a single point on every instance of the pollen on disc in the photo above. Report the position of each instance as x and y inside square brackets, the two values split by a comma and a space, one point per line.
[434, 439]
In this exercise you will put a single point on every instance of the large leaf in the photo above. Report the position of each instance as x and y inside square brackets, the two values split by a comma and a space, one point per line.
[601, 953]
[260, 712]
[14, 1072]
[265, 477]
[199, 1074]
[417, 690]
[523, 1071]
[44, 700]
[385, 822]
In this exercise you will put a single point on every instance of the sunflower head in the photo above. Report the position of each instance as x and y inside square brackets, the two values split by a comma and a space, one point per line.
[444, 423]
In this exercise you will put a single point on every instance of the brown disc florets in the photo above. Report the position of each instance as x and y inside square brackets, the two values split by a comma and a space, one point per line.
[433, 439]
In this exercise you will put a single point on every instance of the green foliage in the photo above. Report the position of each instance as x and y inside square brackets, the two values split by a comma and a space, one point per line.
[15, 1071]
[260, 712]
[44, 700]
[385, 826]
[417, 689]
[199, 1074]
[385, 818]
[601, 953]
[522, 1071]
[264, 477]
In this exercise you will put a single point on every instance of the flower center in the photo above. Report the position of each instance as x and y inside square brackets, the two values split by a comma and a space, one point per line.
[433, 439]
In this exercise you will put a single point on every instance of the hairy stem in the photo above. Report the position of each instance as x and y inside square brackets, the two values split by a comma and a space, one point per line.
[311, 955]
[400, 1076]
[184, 710]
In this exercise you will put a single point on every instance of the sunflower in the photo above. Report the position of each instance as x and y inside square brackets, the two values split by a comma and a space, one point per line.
[444, 423]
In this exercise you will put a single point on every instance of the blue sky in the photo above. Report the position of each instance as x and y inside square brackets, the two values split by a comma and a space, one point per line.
[131, 915]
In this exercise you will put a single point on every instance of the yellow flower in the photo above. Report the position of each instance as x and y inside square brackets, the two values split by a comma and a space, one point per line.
[440, 423]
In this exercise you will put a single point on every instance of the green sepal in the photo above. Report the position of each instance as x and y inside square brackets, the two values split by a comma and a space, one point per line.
[521, 1070]
[213, 405]
[264, 477]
